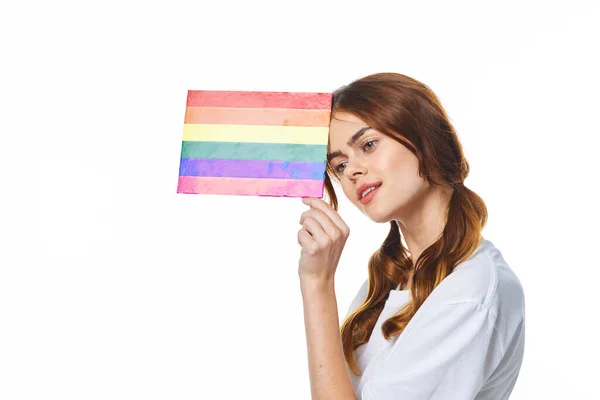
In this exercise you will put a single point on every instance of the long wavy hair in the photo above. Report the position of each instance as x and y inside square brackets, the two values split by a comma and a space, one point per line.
[408, 111]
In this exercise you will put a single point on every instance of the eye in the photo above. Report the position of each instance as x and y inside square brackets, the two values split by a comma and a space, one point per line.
[339, 169]
[365, 145]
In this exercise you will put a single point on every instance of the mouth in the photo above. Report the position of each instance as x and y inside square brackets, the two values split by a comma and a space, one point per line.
[367, 192]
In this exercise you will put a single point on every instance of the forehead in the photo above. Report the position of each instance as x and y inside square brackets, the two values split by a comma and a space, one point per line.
[340, 119]
[343, 125]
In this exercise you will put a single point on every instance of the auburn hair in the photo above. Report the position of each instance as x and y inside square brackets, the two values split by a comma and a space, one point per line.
[408, 111]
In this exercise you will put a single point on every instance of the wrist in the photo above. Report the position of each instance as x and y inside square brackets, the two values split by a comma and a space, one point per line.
[314, 284]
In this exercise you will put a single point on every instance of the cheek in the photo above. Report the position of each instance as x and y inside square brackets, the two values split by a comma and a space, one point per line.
[405, 170]
[408, 185]
[406, 181]
[349, 190]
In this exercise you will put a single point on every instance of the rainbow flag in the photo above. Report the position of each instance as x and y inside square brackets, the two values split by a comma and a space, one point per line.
[255, 143]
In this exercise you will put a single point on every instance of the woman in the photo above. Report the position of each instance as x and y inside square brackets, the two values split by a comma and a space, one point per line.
[441, 315]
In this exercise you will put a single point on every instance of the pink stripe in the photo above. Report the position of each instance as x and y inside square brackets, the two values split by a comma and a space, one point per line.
[214, 98]
[250, 186]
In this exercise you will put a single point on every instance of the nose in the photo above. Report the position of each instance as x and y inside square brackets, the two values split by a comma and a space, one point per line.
[354, 169]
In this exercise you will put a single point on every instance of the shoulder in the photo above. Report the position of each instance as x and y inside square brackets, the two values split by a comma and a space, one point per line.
[359, 298]
[484, 279]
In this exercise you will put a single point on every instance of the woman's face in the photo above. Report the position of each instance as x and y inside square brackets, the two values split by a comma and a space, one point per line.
[365, 156]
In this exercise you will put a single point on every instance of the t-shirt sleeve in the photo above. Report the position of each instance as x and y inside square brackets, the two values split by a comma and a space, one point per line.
[446, 354]
[359, 298]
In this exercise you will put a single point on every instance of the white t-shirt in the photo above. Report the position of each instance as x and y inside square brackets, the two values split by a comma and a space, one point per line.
[465, 342]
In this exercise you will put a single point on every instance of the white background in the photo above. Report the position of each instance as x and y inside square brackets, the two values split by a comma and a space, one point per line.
[112, 286]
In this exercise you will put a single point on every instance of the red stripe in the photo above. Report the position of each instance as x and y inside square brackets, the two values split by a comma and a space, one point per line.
[250, 186]
[211, 98]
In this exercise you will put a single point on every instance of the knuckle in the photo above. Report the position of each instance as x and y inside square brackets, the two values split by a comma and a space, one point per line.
[302, 216]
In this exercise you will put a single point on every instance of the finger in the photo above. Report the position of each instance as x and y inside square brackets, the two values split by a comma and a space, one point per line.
[330, 212]
[316, 230]
[305, 239]
[305, 215]
[326, 223]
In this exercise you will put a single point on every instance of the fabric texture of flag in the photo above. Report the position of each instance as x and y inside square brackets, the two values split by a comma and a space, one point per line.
[255, 143]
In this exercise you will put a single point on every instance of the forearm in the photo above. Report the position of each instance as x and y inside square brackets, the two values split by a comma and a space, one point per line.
[327, 367]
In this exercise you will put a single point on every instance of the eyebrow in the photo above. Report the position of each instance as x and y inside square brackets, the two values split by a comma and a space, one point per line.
[350, 143]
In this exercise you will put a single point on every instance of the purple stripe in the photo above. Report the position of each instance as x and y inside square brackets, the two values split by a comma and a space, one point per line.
[252, 169]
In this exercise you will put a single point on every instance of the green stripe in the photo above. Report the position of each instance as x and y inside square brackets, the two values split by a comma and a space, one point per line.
[254, 151]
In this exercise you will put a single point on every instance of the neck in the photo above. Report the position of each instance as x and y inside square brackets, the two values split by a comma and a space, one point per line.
[424, 224]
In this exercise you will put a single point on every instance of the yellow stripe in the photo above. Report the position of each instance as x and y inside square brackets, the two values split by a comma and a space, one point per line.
[255, 133]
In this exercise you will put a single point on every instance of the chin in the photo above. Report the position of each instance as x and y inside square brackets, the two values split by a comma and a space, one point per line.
[382, 220]
[378, 216]
[378, 210]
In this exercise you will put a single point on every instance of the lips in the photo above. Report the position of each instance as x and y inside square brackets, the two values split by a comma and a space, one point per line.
[364, 187]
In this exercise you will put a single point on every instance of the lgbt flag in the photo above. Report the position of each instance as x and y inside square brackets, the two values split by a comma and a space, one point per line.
[255, 143]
